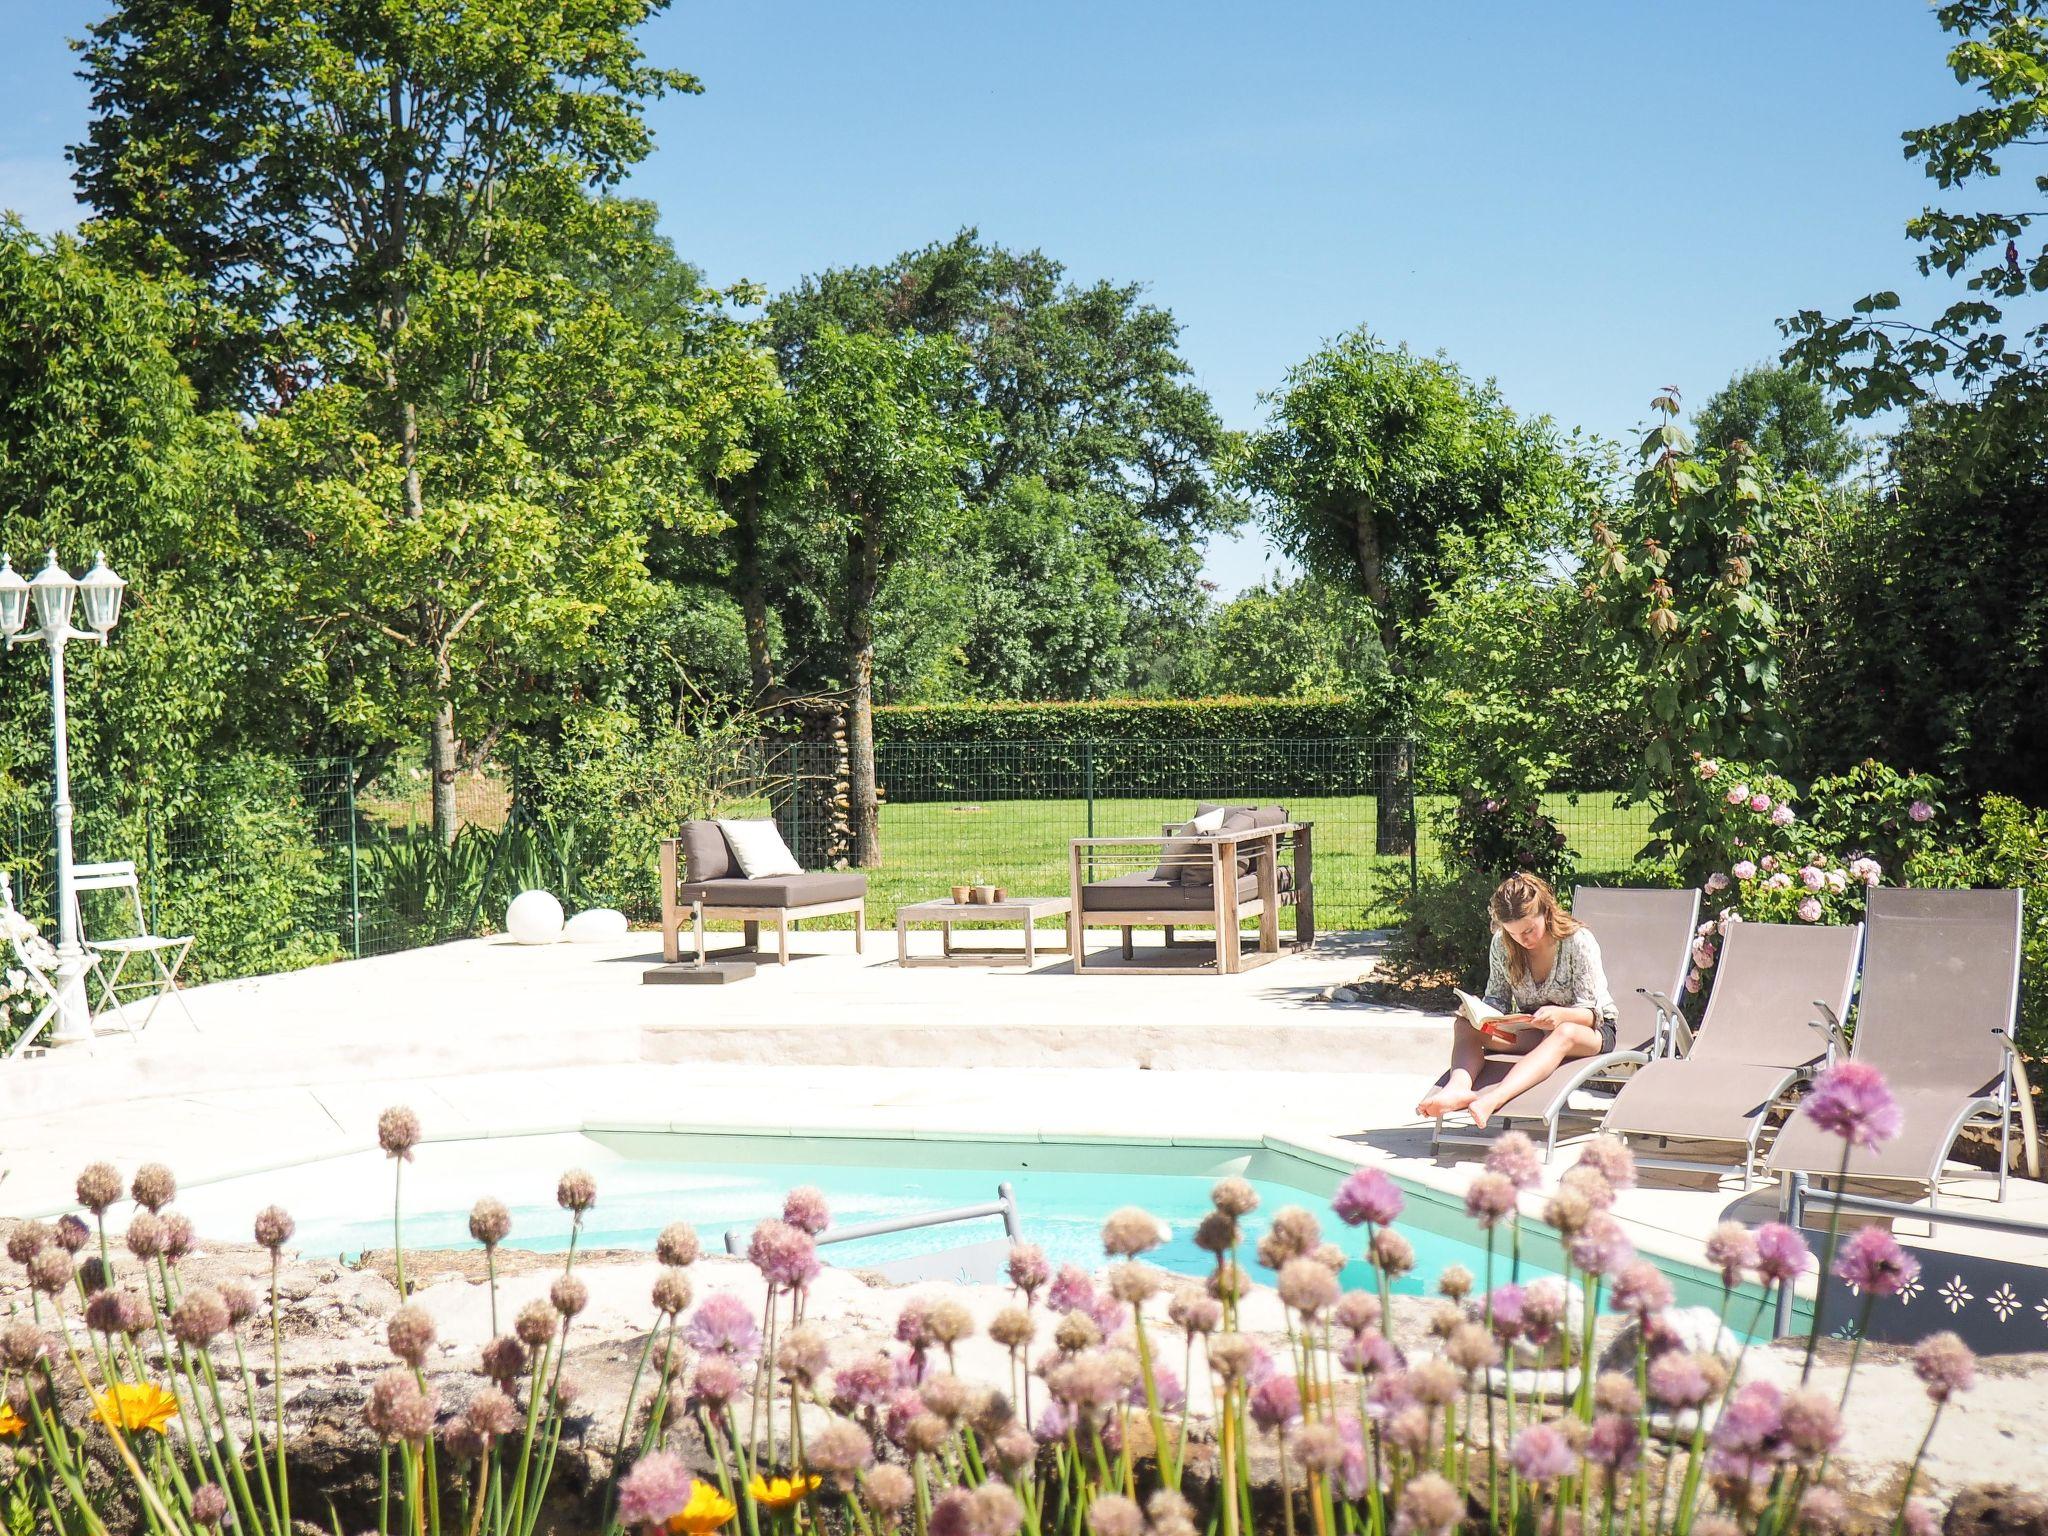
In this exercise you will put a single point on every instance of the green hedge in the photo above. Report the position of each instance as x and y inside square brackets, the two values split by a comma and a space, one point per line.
[1113, 748]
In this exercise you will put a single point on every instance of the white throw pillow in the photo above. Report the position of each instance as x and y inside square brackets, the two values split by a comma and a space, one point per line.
[758, 849]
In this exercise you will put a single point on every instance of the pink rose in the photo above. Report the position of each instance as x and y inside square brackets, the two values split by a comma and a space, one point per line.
[1838, 882]
[1745, 869]
[1737, 795]
[1759, 801]
[1809, 910]
[1770, 861]
[1780, 881]
[1709, 768]
[1716, 882]
[1729, 920]
[1781, 815]
[1920, 810]
[1812, 878]
[1692, 983]
[1873, 872]
[1707, 929]
[1703, 956]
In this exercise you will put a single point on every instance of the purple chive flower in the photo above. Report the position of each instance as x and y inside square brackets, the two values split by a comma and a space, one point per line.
[1504, 1310]
[1028, 1268]
[1368, 1354]
[1490, 1199]
[1945, 1364]
[1610, 1157]
[1543, 1310]
[1612, 1443]
[1875, 1264]
[1781, 1254]
[1850, 1100]
[1072, 1290]
[1514, 1157]
[1542, 1455]
[866, 1381]
[1752, 1420]
[723, 1325]
[1054, 1420]
[1275, 1401]
[1731, 1248]
[1677, 1380]
[1642, 1289]
[657, 1488]
[1368, 1196]
[1602, 1247]
[805, 1209]
[786, 1256]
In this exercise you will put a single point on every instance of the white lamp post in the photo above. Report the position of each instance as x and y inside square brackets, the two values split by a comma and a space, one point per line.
[53, 594]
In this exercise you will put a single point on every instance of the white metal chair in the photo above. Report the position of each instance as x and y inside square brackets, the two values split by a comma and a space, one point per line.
[164, 955]
[26, 953]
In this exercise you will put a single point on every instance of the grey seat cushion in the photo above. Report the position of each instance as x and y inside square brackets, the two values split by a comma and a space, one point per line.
[1203, 873]
[1148, 893]
[778, 890]
[706, 854]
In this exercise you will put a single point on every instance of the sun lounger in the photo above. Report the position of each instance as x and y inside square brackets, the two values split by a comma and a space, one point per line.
[1644, 938]
[1935, 1014]
[1780, 991]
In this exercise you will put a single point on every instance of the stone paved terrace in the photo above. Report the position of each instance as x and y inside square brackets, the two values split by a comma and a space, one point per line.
[485, 1037]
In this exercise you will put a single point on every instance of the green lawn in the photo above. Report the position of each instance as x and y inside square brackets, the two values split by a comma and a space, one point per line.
[1022, 846]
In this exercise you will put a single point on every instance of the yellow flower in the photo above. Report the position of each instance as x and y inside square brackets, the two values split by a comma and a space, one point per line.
[781, 1492]
[133, 1406]
[11, 1423]
[707, 1510]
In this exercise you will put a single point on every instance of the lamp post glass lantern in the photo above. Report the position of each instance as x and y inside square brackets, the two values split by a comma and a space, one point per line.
[54, 594]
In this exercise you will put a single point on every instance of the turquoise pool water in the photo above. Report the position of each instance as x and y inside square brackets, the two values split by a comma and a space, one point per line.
[646, 1180]
[720, 1181]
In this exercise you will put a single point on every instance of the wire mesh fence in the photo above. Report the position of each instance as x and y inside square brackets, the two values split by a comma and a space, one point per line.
[272, 864]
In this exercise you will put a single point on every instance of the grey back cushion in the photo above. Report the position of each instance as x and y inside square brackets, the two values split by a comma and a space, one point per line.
[1241, 818]
[705, 853]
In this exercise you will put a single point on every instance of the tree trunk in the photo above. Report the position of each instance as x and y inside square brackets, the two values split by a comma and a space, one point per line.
[1394, 768]
[860, 645]
[754, 600]
[441, 764]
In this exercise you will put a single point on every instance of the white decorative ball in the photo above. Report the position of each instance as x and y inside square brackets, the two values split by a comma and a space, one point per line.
[534, 917]
[595, 926]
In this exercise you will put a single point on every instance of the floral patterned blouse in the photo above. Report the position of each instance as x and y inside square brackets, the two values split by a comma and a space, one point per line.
[1576, 980]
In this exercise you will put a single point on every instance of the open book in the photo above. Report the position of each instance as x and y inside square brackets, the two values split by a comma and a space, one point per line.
[1501, 1028]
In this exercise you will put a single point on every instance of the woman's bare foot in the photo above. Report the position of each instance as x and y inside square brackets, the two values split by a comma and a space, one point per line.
[1446, 1100]
[1482, 1107]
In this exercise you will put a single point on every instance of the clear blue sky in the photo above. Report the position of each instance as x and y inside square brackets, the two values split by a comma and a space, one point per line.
[1584, 200]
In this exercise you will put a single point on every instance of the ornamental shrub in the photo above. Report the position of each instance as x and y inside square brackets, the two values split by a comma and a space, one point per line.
[2006, 849]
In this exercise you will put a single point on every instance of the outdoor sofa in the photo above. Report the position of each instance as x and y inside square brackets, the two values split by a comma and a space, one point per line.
[1227, 865]
[700, 872]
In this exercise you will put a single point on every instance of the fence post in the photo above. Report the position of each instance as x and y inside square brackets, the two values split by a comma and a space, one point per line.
[149, 864]
[355, 889]
[1088, 779]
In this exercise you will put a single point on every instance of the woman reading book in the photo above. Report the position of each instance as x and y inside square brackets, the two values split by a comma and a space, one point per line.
[1546, 992]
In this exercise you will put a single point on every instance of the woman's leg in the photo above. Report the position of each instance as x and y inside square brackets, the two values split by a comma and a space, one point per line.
[1538, 1062]
[1468, 1054]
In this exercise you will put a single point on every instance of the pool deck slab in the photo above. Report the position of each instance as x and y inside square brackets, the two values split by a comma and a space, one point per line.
[485, 1038]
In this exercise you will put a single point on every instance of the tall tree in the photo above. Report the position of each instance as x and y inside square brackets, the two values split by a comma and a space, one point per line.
[1371, 455]
[1084, 395]
[1878, 359]
[876, 460]
[1784, 417]
[384, 193]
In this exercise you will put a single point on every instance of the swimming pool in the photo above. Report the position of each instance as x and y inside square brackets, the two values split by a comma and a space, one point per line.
[718, 1181]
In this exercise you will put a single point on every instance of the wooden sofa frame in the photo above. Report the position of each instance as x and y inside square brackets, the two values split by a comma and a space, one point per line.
[674, 913]
[1228, 914]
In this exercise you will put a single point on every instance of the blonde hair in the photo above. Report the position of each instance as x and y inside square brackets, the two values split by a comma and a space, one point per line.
[1514, 899]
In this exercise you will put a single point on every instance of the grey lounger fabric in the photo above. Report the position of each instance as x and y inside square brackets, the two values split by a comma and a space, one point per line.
[1644, 939]
[1940, 974]
[1756, 1039]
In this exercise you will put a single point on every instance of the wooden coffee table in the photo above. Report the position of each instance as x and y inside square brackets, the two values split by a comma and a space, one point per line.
[1026, 910]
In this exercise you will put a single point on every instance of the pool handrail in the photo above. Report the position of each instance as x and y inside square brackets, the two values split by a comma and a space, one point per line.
[1004, 1205]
